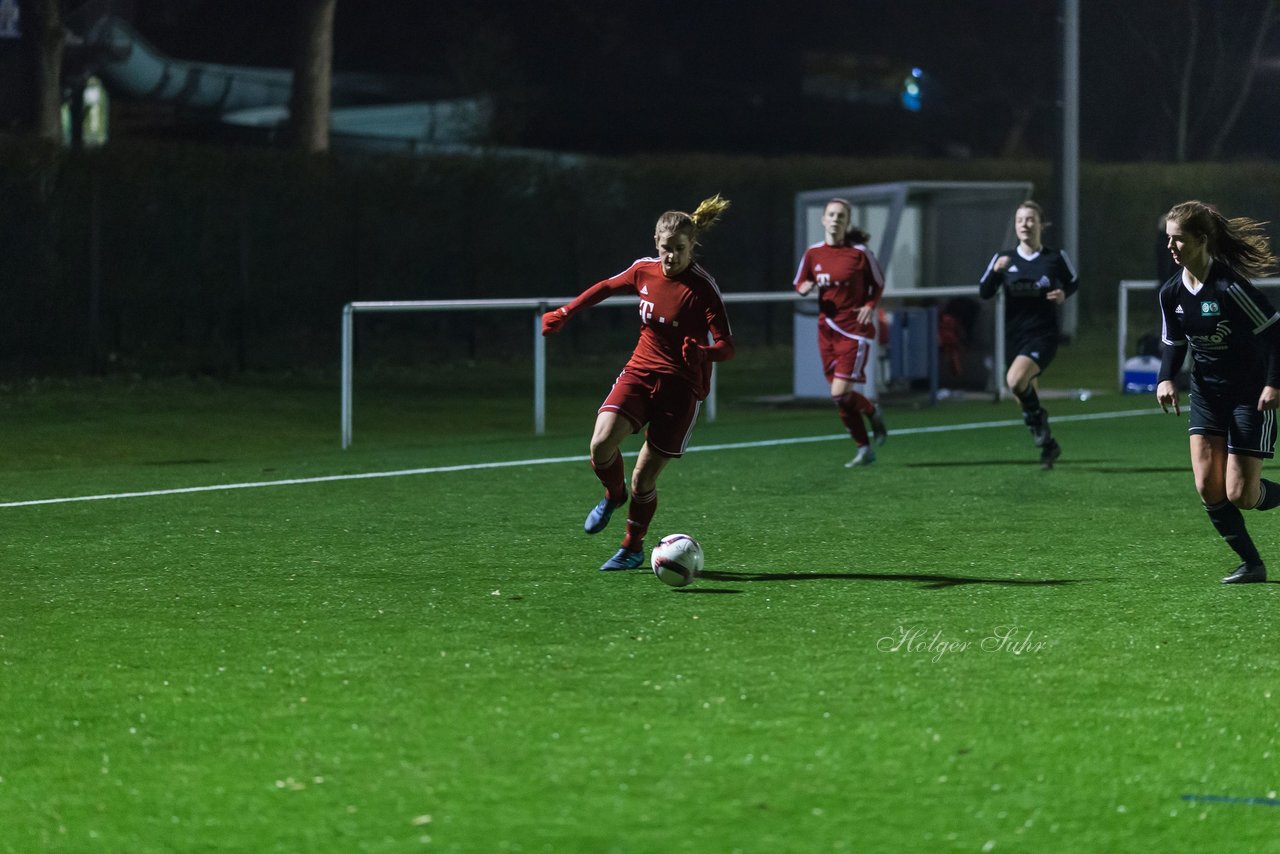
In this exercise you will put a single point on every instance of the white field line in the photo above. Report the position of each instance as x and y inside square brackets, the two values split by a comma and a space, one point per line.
[764, 443]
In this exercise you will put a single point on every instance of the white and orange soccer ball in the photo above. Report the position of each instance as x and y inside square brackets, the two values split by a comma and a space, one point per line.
[677, 560]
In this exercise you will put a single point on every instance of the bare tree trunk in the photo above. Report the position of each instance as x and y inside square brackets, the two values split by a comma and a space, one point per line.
[312, 77]
[1242, 92]
[49, 42]
[1184, 94]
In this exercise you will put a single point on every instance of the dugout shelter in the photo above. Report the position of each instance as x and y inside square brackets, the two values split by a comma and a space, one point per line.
[933, 239]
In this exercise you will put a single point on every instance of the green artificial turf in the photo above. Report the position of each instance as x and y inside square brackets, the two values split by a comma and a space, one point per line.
[950, 650]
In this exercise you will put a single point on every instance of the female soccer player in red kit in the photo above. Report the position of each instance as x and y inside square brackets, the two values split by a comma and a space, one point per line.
[849, 283]
[666, 379]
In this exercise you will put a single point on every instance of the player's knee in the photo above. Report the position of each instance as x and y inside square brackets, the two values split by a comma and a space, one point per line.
[642, 484]
[1241, 496]
[602, 450]
[1211, 492]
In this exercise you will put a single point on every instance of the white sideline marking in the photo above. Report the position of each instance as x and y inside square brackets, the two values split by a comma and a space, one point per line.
[763, 443]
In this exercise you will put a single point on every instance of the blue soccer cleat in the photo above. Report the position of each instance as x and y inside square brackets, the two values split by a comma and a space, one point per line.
[598, 518]
[624, 559]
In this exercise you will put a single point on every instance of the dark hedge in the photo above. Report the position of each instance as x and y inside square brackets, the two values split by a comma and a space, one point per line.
[168, 257]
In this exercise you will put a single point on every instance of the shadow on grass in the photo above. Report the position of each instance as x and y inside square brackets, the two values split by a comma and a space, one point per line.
[1075, 465]
[928, 582]
[1102, 469]
[944, 464]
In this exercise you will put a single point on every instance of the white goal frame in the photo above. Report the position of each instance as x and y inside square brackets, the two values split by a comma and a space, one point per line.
[1128, 286]
[538, 306]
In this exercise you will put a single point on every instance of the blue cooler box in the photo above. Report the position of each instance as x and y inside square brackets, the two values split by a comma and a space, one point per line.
[1140, 374]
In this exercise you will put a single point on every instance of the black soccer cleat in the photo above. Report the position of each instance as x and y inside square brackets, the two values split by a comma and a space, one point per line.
[1247, 573]
[1039, 427]
[1049, 454]
[878, 431]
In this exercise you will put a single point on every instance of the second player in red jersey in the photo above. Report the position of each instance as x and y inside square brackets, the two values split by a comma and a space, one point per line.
[683, 329]
[848, 283]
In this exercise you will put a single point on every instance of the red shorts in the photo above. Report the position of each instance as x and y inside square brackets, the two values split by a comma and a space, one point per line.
[667, 404]
[844, 356]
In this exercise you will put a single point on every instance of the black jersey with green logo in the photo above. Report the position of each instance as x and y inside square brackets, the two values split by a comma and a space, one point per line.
[1026, 281]
[1232, 331]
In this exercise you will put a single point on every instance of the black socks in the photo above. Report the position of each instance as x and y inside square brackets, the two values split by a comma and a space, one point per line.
[1269, 496]
[1030, 405]
[1229, 522]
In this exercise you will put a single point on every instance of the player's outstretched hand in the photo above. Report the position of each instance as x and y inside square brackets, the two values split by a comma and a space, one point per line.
[693, 352]
[552, 321]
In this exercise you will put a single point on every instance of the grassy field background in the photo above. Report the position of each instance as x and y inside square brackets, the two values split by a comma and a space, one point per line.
[948, 651]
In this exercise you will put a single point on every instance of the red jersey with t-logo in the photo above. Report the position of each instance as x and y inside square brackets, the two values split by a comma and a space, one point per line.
[846, 279]
[687, 306]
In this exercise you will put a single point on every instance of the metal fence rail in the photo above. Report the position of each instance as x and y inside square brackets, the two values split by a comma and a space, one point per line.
[542, 304]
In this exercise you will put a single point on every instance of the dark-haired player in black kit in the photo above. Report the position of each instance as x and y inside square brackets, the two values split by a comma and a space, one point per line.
[1234, 336]
[1036, 280]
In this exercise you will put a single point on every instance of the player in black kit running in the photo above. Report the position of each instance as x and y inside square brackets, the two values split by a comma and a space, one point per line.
[1036, 280]
[1234, 335]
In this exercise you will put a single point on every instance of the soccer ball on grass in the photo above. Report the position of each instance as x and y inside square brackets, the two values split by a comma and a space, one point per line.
[677, 560]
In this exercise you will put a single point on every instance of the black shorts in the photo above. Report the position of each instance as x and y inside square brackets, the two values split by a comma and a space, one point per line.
[1249, 433]
[1039, 349]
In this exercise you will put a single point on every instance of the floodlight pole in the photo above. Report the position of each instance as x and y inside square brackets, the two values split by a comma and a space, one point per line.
[1069, 168]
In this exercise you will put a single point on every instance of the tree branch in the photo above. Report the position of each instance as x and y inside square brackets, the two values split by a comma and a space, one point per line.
[1251, 71]
[1184, 93]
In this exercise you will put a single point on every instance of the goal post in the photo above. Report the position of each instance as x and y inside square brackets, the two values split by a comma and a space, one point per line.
[348, 337]
[929, 238]
[1127, 325]
[536, 306]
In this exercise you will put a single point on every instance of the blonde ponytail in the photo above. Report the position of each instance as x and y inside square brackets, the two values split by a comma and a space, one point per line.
[708, 212]
[705, 215]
